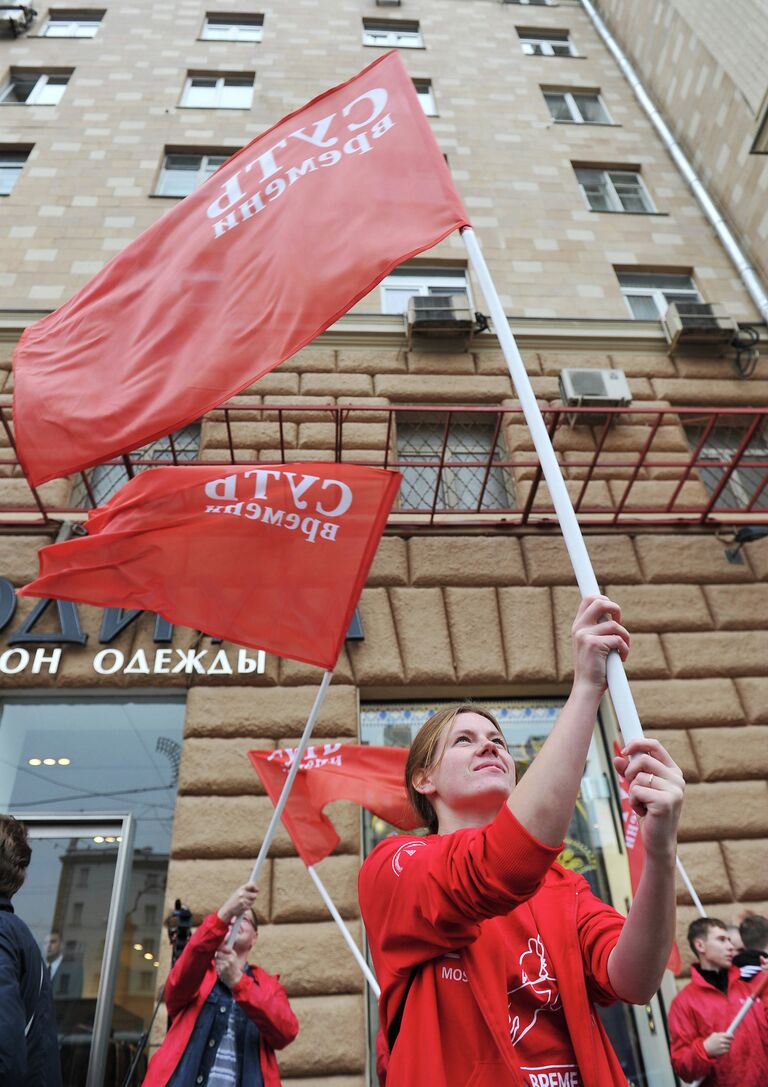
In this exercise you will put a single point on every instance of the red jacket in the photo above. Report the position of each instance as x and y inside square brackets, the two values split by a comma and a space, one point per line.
[423, 899]
[699, 1010]
[262, 998]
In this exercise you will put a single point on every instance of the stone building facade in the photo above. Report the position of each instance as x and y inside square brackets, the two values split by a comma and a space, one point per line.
[471, 593]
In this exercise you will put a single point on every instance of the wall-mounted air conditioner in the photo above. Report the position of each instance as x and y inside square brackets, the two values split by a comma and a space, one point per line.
[387, 3]
[594, 388]
[441, 316]
[699, 324]
[16, 19]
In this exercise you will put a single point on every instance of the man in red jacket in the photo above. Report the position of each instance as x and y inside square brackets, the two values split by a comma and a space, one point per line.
[701, 1012]
[227, 1018]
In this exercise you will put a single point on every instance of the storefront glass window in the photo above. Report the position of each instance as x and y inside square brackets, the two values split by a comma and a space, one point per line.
[107, 756]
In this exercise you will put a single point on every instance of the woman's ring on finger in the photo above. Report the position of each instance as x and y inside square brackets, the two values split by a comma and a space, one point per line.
[650, 780]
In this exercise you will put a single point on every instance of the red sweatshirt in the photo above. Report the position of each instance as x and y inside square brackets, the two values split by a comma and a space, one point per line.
[441, 910]
[189, 983]
[699, 1010]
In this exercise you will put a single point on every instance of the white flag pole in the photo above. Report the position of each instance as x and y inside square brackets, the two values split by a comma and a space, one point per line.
[618, 685]
[690, 888]
[367, 973]
[272, 828]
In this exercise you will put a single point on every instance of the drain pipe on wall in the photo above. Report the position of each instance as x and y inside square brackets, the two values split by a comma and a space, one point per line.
[749, 277]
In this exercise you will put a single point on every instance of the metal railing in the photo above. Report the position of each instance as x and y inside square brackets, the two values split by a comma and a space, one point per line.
[462, 465]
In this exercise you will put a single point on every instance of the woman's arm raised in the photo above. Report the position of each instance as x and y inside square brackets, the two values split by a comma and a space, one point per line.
[543, 801]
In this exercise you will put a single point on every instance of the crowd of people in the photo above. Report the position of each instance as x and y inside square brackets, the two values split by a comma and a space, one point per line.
[491, 956]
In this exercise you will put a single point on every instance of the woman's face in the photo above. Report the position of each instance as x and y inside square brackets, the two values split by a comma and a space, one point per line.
[473, 772]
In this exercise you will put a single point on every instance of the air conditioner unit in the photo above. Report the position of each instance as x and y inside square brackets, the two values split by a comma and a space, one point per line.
[594, 388]
[439, 316]
[699, 324]
[15, 19]
[387, 3]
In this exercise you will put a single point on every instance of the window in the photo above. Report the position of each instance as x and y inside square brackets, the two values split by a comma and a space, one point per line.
[77, 913]
[614, 190]
[531, 3]
[150, 915]
[426, 96]
[649, 294]
[233, 28]
[106, 479]
[72, 24]
[36, 88]
[11, 165]
[404, 283]
[546, 43]
[464, 446]
[580, 107]
[218, 92]
[744, 487]
[391, 33]
[182, 173]
[83, 876]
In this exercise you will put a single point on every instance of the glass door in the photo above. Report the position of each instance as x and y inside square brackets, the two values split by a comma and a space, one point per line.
[73, 900]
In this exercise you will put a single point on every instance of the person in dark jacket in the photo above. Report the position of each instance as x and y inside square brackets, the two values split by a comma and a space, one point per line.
[29, 1053]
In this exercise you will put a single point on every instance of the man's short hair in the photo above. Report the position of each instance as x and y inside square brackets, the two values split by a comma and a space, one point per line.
[698, 929]
[754, 932]
[15, 855]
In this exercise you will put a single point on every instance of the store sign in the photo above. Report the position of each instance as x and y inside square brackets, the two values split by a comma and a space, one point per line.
[36, 652]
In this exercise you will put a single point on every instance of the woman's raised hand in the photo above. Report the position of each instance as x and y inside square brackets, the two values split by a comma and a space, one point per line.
[596, 631]
[656, 785]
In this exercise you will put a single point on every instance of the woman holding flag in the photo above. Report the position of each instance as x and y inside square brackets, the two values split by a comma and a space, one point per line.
[490, 957]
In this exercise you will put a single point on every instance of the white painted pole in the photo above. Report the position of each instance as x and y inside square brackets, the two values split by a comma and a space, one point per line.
[618, 685]
[690, 888]
[272, 828]
[367, 973]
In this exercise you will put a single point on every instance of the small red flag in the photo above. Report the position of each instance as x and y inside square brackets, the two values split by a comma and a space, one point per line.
[273, 248]
[370, 776]
[636, 853]
[271, 556]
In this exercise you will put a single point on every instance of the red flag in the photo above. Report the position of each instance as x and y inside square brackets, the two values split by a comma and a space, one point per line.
[636, 853]
[272, 556]
[273, 248]
[372, 777]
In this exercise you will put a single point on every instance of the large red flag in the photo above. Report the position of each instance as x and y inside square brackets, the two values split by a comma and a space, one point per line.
[273, 248]
[372, 777]
[271, 556]
[636, 853]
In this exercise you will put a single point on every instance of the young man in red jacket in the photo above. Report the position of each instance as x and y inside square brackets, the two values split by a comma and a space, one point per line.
[227, 1018]
[701, 1012]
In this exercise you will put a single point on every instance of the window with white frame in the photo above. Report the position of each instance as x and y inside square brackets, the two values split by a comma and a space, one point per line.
[34, 88]
[11, 164]
[546, 43]
[181, 173]
[220, 27]
[426, 96]
[450, 463]
[614, 190]
[577, 107]
[745, 486]
[650, 294]
[405, 283]
[72, 23]
[218, 91]
[395, 34]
